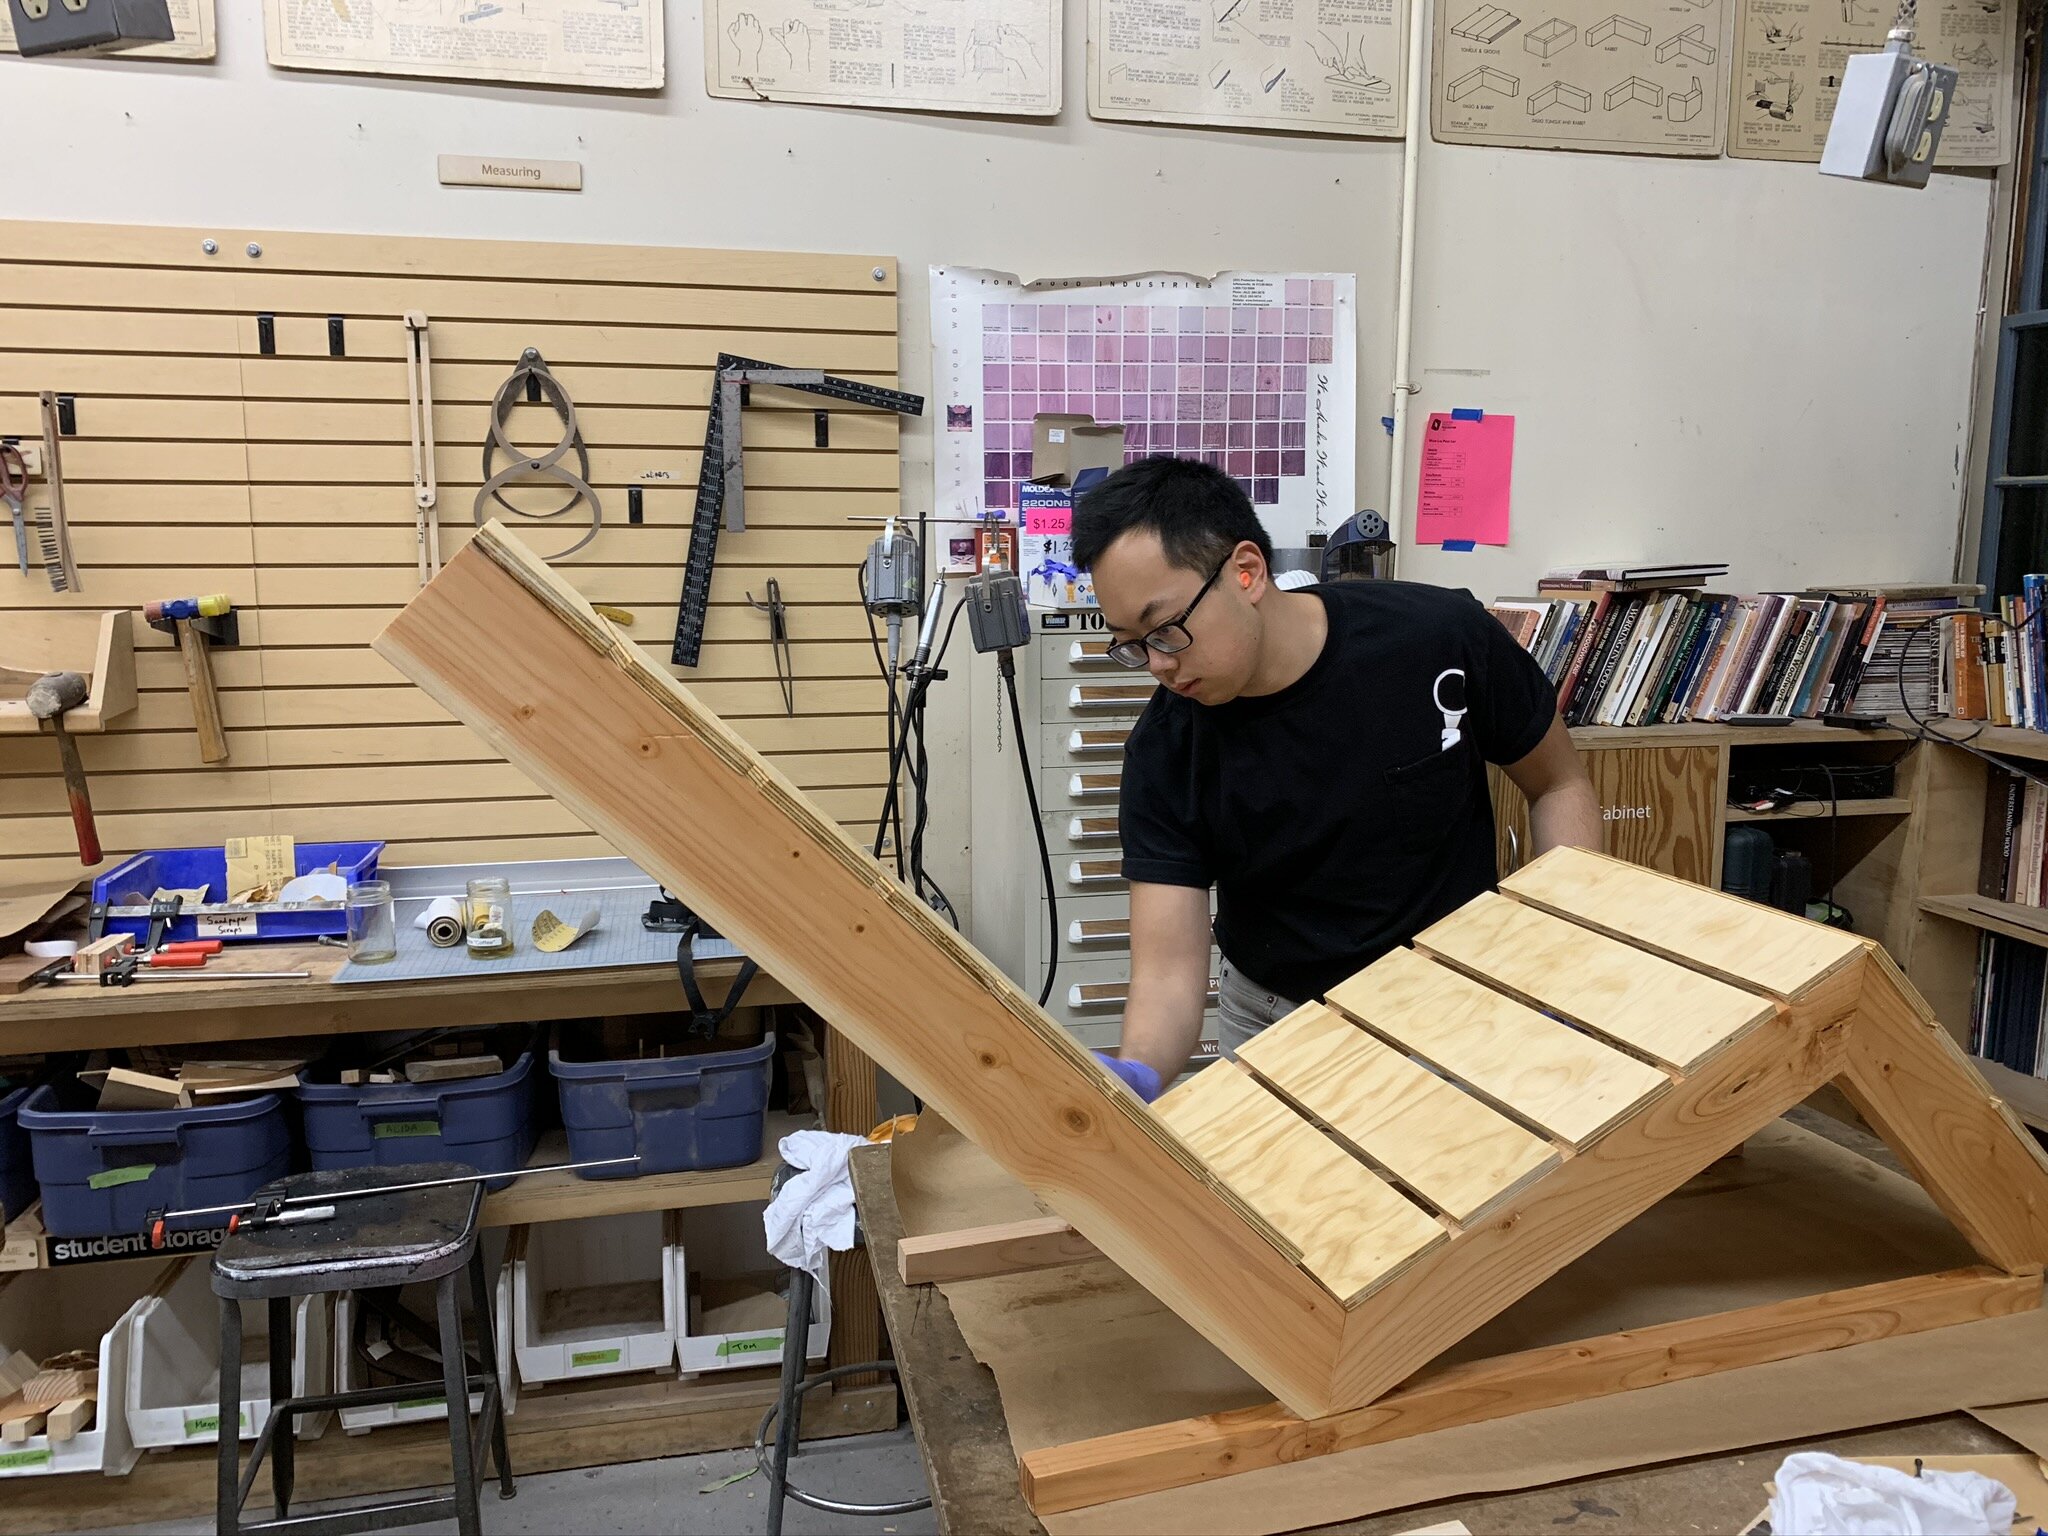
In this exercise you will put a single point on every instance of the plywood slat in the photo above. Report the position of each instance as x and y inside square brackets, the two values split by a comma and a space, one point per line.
[1440, 1141]
[1354, 1230]
[1544, 1071]
[1672, 1015]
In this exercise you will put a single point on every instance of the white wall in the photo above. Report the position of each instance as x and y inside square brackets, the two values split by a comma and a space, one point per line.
[1732, 359]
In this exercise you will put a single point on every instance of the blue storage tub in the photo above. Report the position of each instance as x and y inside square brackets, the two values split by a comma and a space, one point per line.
[190, 868]
[681, 1113]
[17, 1166]
[485, 1122]
[103, 1171]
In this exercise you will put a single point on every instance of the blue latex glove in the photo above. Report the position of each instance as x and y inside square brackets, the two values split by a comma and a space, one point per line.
[1137, 1077]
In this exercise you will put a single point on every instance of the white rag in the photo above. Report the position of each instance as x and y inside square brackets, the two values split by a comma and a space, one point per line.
[1823, 1495]
[813, 1213]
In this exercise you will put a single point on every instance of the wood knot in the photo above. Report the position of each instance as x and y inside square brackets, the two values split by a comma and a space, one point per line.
[525, 712]
[1508, 1222]
[860, 927]
[647, 746]
[1077, 1120]
[986, 1058]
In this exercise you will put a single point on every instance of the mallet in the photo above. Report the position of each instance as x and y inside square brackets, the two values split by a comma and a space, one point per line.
[48, 697]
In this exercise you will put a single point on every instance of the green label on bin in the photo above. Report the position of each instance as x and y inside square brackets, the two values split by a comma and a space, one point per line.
[13, 1461]
[584, 1357]
[384, 1130]
[753, 1344]
[197, 1424]
[423, 1402]
[111, 1178]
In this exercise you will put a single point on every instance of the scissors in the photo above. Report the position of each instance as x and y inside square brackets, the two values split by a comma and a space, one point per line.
[13, 487]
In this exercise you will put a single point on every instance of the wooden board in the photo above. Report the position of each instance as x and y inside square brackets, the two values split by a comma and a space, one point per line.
[1738, 941]
[1662, 1010]
[1354, 1230]
[1541, 1070]
[201, 465]
[1007, 1248]
[1085, 1472]
[1444, 1144]
[633, 754]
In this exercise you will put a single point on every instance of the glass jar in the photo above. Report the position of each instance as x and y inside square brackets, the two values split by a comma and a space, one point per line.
[488, 930]
[372, 930]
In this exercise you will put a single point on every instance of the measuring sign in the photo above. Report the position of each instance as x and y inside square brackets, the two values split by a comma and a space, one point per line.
[721, 486]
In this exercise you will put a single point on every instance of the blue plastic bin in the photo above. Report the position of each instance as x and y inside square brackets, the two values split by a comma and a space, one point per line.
[103, 1171]
[486, 1122]
[680, 1113]
[190, 868]
[17, 1165]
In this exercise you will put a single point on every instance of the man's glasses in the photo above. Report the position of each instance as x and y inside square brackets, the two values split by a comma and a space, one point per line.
[1167, 638]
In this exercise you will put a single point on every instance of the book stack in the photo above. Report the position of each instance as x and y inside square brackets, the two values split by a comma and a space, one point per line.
[2005, 1013]
[2013, 865]
[2015, 691]
[1648, 647]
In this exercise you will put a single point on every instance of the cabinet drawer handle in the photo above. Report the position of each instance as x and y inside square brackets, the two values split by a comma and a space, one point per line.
[1094, 786]
[1091, 829]
[1100, 930]
[1095, 872]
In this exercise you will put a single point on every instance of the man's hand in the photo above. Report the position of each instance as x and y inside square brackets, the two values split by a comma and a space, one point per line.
[1136, 1076]
[1564, 812]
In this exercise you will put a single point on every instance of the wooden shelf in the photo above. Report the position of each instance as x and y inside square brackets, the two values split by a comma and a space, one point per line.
[2010, 918]
[100, 645]
[2025, 1096]
[2008, 739]
[566, 1196]
[1707, 733]
[1812, 811]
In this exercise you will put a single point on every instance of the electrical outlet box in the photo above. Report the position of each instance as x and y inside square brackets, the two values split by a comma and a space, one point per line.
[1872, 95]
[101, 26]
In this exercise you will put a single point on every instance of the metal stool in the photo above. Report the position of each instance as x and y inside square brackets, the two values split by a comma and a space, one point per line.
[785, 1415]
[428, 1234]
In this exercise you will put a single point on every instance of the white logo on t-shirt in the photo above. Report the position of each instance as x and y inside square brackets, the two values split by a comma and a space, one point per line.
[1450, 704]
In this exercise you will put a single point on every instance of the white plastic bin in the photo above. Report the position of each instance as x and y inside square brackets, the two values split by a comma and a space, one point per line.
[49, 1312]
[431, 1404]
[595, 1297]
[733, 1313]
[173, 1387]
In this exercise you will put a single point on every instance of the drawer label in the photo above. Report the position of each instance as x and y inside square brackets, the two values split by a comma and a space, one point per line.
[14, 1461]
[386, 1130]
[227, 925]
[197, 1424]
[584, 1358]
[752, 1344]
[114, 1178]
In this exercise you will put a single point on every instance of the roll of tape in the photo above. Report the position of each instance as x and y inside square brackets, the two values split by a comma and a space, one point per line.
[51, 949]
[443, 922]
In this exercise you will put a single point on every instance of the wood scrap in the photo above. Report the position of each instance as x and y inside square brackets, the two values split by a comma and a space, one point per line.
[94, 958]
[126, 1088]
[1006, 1248]
[16, 1371]
[71, 1418]
[21, 1422]
[47, 1387]
[452, 1069]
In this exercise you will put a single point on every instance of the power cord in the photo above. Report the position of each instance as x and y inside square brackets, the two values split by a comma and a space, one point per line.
[1007, 665]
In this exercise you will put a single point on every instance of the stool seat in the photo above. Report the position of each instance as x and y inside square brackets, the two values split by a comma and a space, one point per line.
[376, 1240]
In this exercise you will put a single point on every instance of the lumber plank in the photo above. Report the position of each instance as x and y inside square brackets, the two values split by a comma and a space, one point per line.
[1073, 1476]
[1354, 1229]
[507, 645]
[1444, 1144]
[1446, 1294]
[1736, 940]
[1906, 1075]
[1544, 1071]
[1006, 1248]
[1666, 1012]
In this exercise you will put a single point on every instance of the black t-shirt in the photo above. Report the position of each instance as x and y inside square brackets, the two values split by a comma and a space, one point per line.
[1344, 814]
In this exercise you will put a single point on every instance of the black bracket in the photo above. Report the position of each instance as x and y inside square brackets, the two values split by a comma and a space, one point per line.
[219, 629]
[635, 509]
[821, 429]
[67, 416]
[266, 335]
[337, 337]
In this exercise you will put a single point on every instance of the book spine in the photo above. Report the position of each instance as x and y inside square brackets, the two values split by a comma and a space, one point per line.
[1591, 627]
[1680, 659]
[1779, 659]
[1712, 627]
[1873, 628]
[1822, 662]
[1734, 639]
[1757, 662]
[1651, 639]
[2001, 820]
[1625, 622]
[1651, 675]
[1845, 660]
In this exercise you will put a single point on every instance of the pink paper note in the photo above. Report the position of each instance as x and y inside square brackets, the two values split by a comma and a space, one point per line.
[1467, 467]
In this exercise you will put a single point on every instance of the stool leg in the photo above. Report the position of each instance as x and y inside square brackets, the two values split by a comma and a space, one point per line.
[282, 1446]
[790, 1406]
[455, 1381]
[487, 1350]
[227, 1509]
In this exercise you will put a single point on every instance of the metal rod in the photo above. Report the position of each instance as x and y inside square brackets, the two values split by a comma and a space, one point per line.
[328, 1197]
[196, 974]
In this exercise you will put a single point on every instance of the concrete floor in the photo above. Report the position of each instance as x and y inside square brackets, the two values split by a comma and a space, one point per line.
[682, 1495]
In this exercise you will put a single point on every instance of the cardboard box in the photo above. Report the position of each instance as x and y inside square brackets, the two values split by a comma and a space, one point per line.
[1063, 446]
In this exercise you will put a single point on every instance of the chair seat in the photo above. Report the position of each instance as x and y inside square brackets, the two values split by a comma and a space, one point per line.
[376, 1240]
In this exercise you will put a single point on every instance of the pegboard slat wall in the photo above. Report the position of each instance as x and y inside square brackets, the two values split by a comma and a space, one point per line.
[200, 465]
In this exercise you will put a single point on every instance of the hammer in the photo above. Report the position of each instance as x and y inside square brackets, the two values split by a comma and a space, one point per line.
[201, 617]
[48, 697]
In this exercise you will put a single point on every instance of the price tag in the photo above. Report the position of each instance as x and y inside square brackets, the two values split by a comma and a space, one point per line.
[229, 925]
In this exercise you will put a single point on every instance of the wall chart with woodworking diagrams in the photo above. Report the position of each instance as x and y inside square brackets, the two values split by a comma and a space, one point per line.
[1317, 66]
[971, 56]
[1624, 76]
[1788, 64]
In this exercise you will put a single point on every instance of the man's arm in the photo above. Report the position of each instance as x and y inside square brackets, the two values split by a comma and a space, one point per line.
[1563, 810]
[1169, 976]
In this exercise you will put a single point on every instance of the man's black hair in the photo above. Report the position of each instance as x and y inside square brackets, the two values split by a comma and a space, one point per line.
[1199, 513]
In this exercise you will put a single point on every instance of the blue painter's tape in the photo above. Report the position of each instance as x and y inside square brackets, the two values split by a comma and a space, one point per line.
[1388, 423]
[1468, 415]
[1458, 546]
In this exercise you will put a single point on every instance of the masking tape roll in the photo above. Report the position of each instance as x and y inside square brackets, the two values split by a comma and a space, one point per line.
[443, 921]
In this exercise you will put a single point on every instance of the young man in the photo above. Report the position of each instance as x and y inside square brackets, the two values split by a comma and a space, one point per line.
[1318, 756]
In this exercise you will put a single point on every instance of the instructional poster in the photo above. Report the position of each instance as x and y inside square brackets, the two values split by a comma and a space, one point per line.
[1648, 79]
[1789, 56]
[1314, 66]
[1253, 372]
[191, 34]
[998, 56]
[612, 44]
